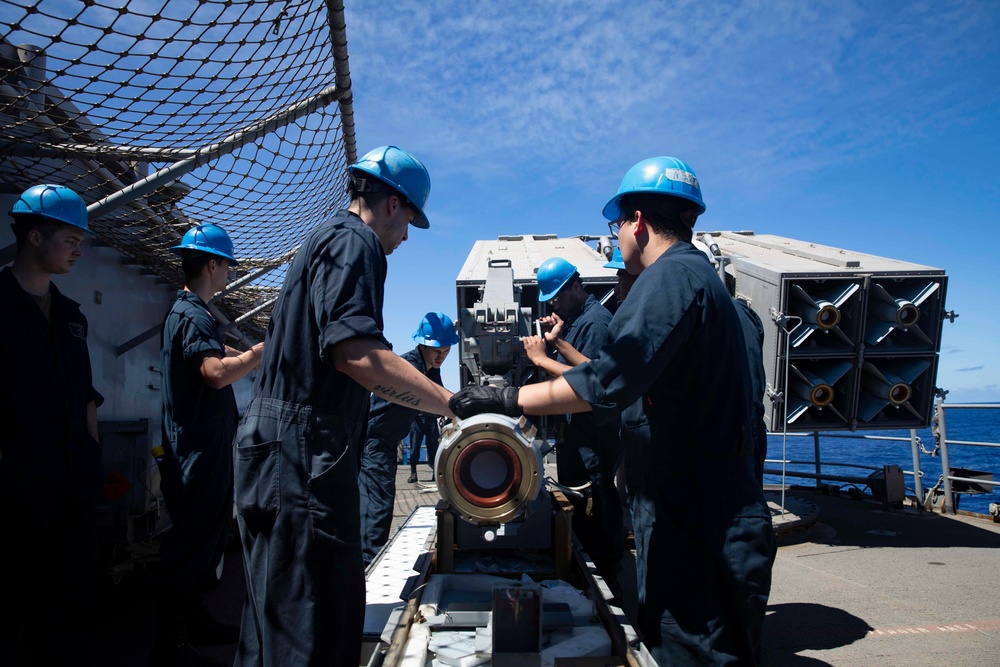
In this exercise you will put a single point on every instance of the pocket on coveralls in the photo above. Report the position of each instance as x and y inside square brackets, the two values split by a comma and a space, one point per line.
[334, 504]
[257, 481]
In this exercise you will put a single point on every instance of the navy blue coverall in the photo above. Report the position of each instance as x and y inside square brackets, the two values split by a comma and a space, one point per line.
[424, 430]
[199, 423]
[296, 457]
[388, 424]
[590, 452]
[50, 480]
[675, 363]
[753, 335]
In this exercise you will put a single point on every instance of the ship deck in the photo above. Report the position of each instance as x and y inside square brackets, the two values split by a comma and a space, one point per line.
[870, 586]
[859, 586]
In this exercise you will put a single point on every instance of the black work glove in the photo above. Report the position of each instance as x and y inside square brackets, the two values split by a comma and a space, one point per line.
[475, 400]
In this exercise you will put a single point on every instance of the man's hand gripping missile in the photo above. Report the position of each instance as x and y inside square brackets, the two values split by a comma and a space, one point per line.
[477, 400]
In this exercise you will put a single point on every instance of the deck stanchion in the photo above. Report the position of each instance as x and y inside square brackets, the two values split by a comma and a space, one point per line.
[918, 486]
[949, 499]
[819, 463]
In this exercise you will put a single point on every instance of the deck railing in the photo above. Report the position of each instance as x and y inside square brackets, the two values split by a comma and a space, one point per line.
[942, 444]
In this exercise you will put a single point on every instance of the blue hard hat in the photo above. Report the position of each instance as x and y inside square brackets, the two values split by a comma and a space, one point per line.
[617, 262]
[208, 238]
[552, 275]
[436, 330]
[401, 171]
[53, 202]
[659, 176]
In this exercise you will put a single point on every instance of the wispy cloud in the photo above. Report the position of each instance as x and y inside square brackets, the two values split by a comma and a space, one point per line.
[798, 87]
[969, 369]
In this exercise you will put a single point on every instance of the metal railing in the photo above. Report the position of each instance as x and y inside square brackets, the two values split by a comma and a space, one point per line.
[942, 444]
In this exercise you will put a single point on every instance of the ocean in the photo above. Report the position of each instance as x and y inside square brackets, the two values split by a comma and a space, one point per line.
[972, 424]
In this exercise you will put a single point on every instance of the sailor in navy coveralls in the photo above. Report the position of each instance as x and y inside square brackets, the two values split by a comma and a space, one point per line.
[298, 445]
[388, 424]
[50, 460]
[196, 470]
[589, 452]
[425, 431]
[675, 368]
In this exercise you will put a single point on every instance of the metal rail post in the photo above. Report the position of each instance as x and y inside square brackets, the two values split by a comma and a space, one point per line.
[949, 498]
[918, 487]
[212, 152]
[247, 315]
[819, 464]
[781, 320]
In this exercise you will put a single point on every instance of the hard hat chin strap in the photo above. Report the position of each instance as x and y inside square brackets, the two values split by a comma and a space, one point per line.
[689, 217]
[361, 184]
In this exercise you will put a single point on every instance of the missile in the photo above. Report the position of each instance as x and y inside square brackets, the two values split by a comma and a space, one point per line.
[823, 313]
[489, 468]
[812, 386]
[890, 383]
[487, 472]
[899, 309]
[819, 394]
[820, 311]
[886, 386]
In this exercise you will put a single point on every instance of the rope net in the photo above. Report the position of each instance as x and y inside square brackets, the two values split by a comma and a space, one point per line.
[162, 115]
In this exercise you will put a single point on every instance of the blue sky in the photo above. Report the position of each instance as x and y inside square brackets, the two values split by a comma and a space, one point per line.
[871, 126]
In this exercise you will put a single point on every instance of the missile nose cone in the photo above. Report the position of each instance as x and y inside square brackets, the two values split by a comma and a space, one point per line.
[908, 315]
[899, 393]
[822, 395]
[828, 316]
[488, 468]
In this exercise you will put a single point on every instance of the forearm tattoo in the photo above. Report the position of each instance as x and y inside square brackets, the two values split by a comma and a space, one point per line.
[401, 396]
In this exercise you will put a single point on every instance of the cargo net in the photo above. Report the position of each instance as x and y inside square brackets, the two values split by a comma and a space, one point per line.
[223, 111]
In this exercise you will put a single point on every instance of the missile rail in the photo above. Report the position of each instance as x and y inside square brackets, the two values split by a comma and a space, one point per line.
[493, 574]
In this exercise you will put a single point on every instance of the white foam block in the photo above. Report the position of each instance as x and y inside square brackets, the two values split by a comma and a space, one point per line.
[456, 648]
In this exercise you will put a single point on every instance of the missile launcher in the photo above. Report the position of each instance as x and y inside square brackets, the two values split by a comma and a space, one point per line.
[851, 341]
